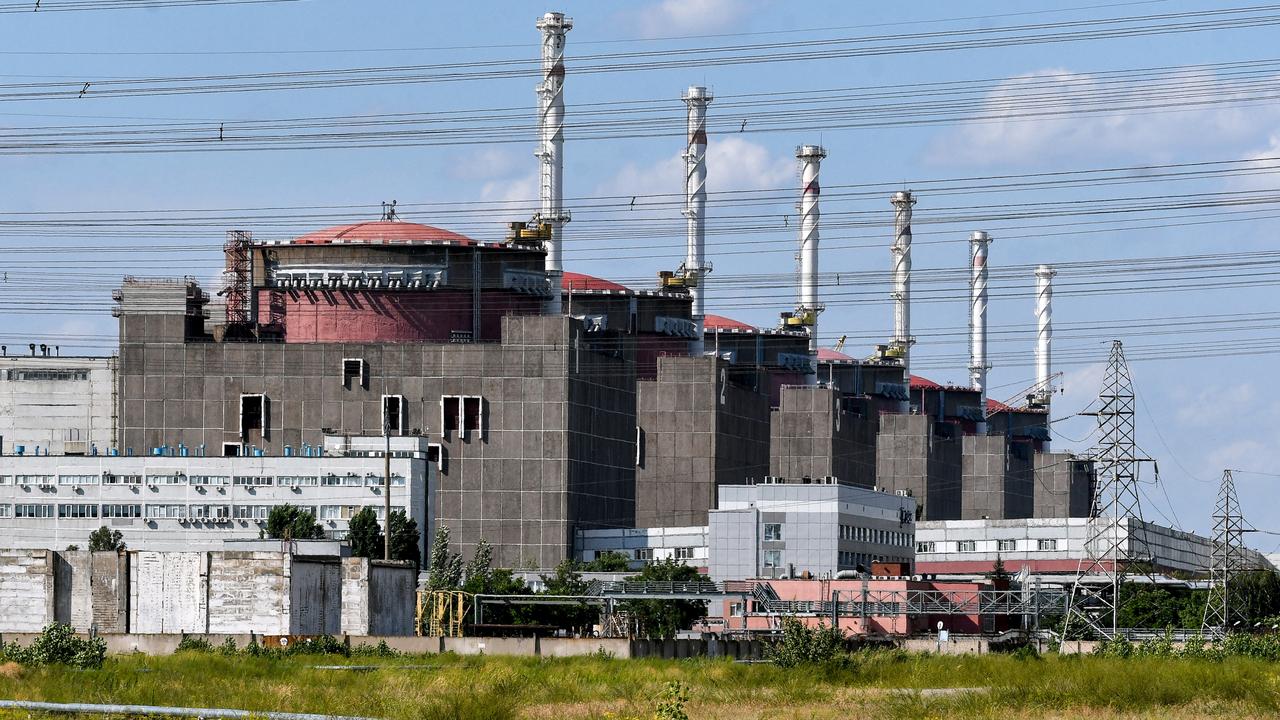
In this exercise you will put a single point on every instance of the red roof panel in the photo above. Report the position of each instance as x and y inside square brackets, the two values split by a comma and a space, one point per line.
[386, 232]
[579, 281]
[720, 322]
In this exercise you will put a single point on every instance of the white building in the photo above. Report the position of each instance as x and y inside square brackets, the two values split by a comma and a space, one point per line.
[685, 544]
[57, 405]
[173, 503]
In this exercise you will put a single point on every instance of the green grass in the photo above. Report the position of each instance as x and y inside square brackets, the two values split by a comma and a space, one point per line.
[868, 685]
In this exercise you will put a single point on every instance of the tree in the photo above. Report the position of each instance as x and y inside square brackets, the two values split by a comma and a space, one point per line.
[404, 537]
[479, 571]
[1256, 593]
[609, 561]
[364, 535]
[444, 570]
[289, 522]
[662, 619]
[106, 539]
[567, 580]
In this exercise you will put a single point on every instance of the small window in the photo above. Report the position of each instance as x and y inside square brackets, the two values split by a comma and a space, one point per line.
[393, 412]
[1006, 545]
[253, 416]
[684, 553]
[1047, 544]
[924, 547]
[737, 609]
[967, 546]
[644, 554]
[230, 449]
[473, 414]
[450, 412]
[77, 511]
[772, 531]
[772, 558]
[354, 373]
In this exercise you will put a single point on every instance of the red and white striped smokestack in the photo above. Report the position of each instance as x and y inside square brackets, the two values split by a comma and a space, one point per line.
[695, 207]
[1044, 333]
[902, 203]
[554, 27]
[978, 364]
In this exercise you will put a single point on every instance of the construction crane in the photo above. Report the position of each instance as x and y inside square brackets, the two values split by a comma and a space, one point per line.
[1027, 393]
[840, 343]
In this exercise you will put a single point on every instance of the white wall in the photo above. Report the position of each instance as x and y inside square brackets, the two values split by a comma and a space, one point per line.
[50, 413]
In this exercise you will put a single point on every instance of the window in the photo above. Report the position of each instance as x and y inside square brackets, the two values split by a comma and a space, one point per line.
[32, 510]
[298, 480]
[340, 512]
[251, 512]
[39, 480]
[254, 415]
[6, 510]
[230, 449]
[210, 512]
[737, 609]
[210, 480]
[472, 414]
[1006, 545]
[772, 558]
[644, 554]
[462, 412]
[6, 479]
[165, 511]
[54, 375]
[121, 511]
[77, 479]
[684, 553]
[77, 511]
[167, 479]
[772, 531]
[967, 546]
[253, 480]
[121, 479]
[925, 547]
[450, 407]
[1047, 544]
[354, 372]
[393, 412]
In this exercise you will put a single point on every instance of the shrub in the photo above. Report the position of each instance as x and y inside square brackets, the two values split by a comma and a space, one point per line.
[672, 701]
[194, 644]
[382, 649]
[801, 644]
[58, 644]
[228, 647]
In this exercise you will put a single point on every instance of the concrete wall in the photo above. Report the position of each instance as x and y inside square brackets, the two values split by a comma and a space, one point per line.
[92, 590]
[26, 590]
[315, 597]
[61, 405]
[378, 598]
[997, 478]
[249, 593]
[911, 456]
[817, 432]
[1062, 485]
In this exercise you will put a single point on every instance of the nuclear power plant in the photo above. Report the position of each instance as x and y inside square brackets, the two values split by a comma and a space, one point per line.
[552, 414]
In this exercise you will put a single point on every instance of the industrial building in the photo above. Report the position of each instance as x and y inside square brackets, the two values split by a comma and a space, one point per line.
[547, 405]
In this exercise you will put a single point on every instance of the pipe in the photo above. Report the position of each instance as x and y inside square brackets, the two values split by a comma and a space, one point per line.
[1044, 333]
[810, 157]
[160, 710]
[554, 26]
[902, 202]
[978, 365]
[696, 99]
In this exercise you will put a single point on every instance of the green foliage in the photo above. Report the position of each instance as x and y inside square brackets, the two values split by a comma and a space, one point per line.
[73, 548]
[609, 561]
[805, 645]
[672, 701]
[57, 644]
[997, 570]
[195, 644]
[364, 535]
[663, 619]
[479, 569]
[404, 538]
[444, 570]
[567, 580]
[228, 647]
[381, 650]
[1256, 594]
[289, 522]
[106, 539]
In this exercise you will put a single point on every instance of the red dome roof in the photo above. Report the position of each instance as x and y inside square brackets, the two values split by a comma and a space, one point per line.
[578, 281]
[997, 406]
[918, 382]
[386, 232]
[720, 322]
[829, 355]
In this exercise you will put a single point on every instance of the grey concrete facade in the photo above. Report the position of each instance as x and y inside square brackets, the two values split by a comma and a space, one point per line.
[537, 433]
[786, 528]
[1063, 486]
[817, 432]
[916, 454]
[698, 430]
[57, 405]
[996, 477]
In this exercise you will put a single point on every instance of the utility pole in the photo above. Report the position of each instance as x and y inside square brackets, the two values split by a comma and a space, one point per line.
[386, 483]
[1226, 558]
[1109, 549]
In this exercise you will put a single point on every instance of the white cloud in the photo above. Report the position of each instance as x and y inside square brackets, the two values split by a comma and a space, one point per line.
[1002, 137]
[732, 164]
[486, 164]
[686, 17]
[1264, 164]
[514, 199]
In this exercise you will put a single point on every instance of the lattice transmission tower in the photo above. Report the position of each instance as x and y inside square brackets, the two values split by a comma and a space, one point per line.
[1114, 547]
[1226, 559]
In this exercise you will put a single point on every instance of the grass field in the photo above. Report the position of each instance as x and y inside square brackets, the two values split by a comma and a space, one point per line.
[879, 685]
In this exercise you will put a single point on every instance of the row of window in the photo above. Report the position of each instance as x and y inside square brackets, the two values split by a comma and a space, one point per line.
[879, 537]
[969, 546]
[348, 480]
[170, 511]
[851, 560]
[18, 374]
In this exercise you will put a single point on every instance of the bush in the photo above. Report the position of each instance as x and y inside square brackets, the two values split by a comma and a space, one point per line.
[672, 701]
[194, 644]
[382, 650]
[802, 645]
[58, 644]
[228, 647]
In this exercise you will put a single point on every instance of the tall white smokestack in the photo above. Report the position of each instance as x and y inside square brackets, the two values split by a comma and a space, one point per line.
[695, 206]
[902, 202]
[1044, 333]
[810, 157]
[554, 27]
[978, 365]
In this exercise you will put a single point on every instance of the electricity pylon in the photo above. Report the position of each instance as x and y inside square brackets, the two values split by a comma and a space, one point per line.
[1110, 550]
[1226, 559]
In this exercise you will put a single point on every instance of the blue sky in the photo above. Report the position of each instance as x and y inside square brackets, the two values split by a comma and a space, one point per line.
[1196, 416]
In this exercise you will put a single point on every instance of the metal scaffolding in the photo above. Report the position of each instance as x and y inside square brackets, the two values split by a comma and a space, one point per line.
[1226, 559]
[1109, 550]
